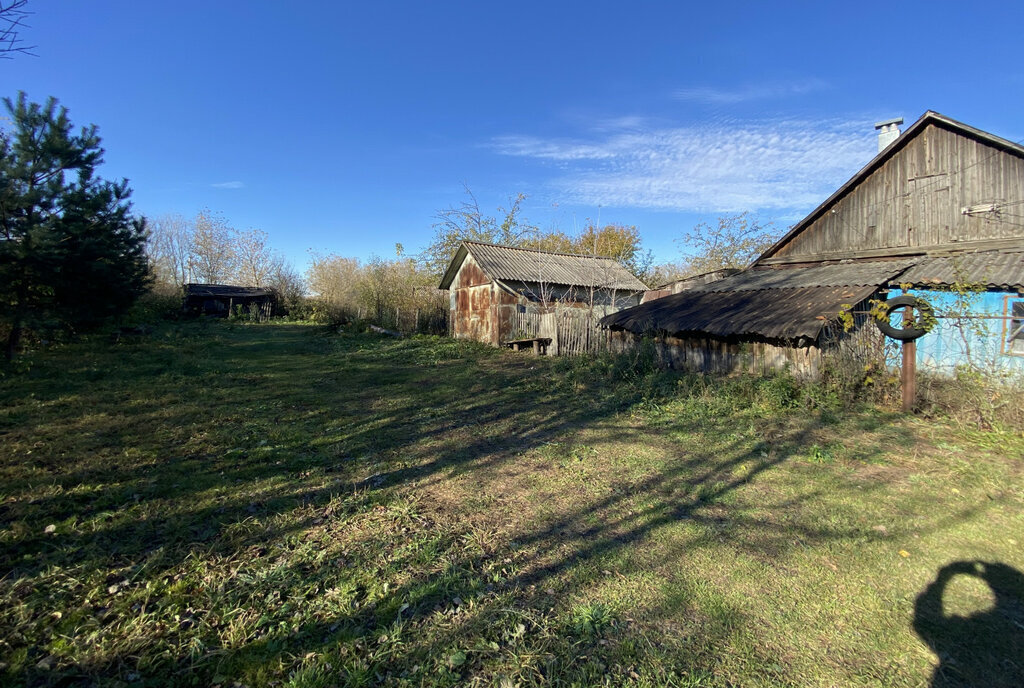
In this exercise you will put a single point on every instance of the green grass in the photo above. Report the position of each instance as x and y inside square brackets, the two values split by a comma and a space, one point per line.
[282, 505]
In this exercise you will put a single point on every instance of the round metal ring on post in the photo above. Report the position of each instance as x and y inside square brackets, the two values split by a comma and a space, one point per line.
[915, 329]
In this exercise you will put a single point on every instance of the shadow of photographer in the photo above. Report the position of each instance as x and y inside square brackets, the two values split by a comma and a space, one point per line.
[985, 648]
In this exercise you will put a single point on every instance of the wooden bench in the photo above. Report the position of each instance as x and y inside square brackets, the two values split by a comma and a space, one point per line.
[538, 344]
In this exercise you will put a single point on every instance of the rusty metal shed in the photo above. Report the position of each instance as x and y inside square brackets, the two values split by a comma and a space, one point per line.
[501, 292]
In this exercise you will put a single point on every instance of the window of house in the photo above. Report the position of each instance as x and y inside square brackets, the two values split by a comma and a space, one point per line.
[1013, 341]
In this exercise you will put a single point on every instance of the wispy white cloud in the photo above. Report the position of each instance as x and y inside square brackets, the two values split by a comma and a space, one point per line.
[229, 185]
[764, 91]
[759, 165]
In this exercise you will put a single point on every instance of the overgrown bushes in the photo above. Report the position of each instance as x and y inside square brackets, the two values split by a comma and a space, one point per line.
[396, 294]
[851, 376]
[973, 398]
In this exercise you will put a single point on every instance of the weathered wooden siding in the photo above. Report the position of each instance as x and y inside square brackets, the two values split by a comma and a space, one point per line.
[713, 355]
[914, 201]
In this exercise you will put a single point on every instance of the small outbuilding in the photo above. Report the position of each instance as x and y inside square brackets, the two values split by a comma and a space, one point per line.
[221, 300]
[504, 294]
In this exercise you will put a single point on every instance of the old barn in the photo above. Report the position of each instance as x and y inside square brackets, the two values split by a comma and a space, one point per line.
[502, 294]
[939, 211]
[222, 300]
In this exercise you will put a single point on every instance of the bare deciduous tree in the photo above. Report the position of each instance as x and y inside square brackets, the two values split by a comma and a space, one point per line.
[212, 260]
[12, 21]
[254, 260]
[287, 284]
[169, 248]
[466, 221]
[333, 279]
[734, 241]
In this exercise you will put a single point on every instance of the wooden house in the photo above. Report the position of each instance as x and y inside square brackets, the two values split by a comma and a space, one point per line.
[499, 294]
[221, 300]
[939, 210]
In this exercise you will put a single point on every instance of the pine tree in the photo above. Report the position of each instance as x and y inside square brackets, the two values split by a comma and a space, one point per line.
[71, 252]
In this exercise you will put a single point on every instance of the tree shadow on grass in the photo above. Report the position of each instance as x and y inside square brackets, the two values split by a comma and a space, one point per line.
[292, 436]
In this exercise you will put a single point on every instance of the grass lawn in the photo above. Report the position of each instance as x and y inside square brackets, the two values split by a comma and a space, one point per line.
[281, 505]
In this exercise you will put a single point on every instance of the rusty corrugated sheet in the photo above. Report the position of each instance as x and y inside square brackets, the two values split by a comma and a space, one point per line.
[993, 269]
[778, 313]
[509, 263]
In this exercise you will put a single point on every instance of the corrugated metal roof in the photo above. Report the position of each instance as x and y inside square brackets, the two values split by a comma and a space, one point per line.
[994, 269]
[527, 265]
[777, 313]
[224, 290]
[702, 278]
[859, 274]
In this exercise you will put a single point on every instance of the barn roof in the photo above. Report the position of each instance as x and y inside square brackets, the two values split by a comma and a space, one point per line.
[785, 303]
[929, 117]
[529, 265]
[225, 291]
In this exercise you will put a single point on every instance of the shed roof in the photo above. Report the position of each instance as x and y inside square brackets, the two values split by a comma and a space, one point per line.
[700, 278]
[225, 291]
[848, 274]
[991, 269]
[779, 303]
[529, 265]
[778, 313]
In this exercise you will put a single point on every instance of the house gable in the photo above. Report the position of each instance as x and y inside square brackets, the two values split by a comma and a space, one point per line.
[941, 186]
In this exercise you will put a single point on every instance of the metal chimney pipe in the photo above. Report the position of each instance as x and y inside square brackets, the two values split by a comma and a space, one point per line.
[888, 131]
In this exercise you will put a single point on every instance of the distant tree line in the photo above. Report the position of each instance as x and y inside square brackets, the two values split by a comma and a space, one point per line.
[343, 287]
[467, 221]
[731, 241]
[207, 249]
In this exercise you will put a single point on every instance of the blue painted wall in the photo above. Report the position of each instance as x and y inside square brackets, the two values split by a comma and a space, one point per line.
[978, 342]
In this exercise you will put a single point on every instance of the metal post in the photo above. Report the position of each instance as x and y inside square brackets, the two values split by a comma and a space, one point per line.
[908, 376]
[908, 372]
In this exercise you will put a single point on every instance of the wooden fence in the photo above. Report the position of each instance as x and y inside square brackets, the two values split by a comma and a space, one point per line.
[409, 321]
[572, 331]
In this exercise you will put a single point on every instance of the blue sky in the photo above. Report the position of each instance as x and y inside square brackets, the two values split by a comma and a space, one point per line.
[344, 127]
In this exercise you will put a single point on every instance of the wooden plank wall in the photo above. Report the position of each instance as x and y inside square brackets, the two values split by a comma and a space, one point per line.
[711, 355]
[914, 200]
